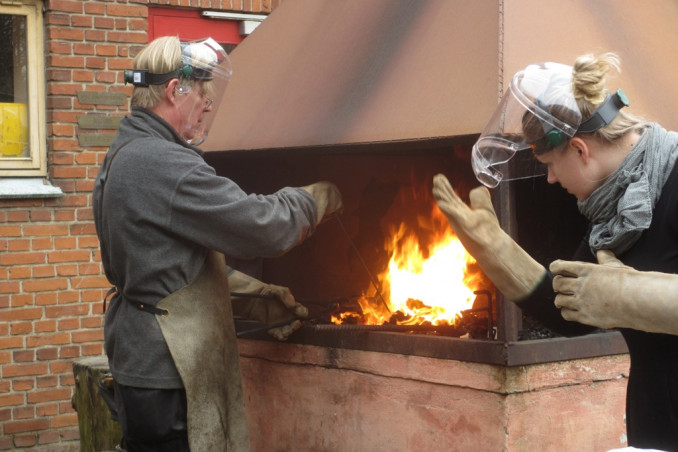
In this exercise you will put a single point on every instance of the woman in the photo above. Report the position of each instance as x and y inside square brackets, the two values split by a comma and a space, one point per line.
[562, 120]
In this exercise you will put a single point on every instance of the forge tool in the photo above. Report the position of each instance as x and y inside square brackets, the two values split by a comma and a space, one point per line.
[332, 307]
[377, 287]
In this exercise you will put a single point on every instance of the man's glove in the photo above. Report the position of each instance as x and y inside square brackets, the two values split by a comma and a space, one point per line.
[327, 199]
[509, 267]
[612, 295]
[266, 311]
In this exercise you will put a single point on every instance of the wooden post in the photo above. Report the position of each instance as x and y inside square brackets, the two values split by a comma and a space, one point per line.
[98, 432]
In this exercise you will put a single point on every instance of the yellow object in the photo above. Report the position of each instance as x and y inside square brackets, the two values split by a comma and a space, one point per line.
[13, 129]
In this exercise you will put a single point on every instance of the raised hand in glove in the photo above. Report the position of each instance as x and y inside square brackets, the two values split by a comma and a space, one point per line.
[327, 198]
[265, 310]
[509, 267]
[612, 295]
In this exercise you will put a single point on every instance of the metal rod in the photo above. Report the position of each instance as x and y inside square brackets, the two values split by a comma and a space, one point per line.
[372, 280]
[273, 297]
[259, 329]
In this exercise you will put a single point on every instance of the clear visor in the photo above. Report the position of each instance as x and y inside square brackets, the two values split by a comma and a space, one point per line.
[203, 90]
[538, 113]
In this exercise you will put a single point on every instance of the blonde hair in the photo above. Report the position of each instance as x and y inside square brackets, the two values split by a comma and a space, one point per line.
[589, 75]
[160, 56]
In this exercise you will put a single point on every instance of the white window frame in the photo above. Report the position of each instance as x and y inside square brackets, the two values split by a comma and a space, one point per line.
[35, 164]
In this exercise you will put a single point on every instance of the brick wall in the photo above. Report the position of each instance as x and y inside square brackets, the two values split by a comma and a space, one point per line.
[51, 280]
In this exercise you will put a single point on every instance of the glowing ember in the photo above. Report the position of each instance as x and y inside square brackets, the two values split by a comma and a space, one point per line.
[432, 285]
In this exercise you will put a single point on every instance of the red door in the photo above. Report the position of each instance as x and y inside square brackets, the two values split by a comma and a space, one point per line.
[190, 25]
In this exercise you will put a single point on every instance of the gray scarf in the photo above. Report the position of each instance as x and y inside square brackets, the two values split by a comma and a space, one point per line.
[621, 208]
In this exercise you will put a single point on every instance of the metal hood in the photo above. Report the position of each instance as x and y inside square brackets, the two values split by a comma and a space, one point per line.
[327, 72]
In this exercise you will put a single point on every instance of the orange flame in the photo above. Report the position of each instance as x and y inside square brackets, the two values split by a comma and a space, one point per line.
[432, 285]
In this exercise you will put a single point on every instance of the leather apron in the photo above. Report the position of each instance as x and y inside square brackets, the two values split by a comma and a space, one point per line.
[200, 334]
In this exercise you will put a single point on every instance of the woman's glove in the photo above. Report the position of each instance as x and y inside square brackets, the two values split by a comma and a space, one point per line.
[514, 272]
[327, 199]
[612, 295]
[265, 310]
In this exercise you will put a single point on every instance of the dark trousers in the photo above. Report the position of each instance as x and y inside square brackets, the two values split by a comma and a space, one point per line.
[152, 419]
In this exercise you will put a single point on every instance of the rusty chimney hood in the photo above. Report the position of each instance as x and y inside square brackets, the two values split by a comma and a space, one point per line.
[326, 72]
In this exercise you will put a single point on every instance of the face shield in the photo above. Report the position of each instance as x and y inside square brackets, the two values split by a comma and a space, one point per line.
[206, 69]
[538, 113]
[203, 76]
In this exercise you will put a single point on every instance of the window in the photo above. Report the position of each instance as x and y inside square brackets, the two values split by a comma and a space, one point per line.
[22, 92]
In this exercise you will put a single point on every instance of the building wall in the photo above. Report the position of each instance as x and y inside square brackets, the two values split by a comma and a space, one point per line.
[51, 281]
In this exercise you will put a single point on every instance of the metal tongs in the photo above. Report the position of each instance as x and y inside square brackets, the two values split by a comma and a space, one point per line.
[332, 307]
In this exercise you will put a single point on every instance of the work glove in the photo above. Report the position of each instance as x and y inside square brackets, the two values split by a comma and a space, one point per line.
[513, 272]
[612, 295]
[327, 199]
[266, 310]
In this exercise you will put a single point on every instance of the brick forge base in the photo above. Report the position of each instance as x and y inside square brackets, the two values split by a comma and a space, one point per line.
[310, 398]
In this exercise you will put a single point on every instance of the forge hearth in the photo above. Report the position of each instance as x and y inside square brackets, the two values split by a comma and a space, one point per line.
[388, 184]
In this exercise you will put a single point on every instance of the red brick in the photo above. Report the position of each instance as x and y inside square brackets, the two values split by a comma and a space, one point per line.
[69, 351]
[95, 36]
[11, 342]
[19, 272]
[18, 370]
[21, 259]
[17, 216]
[65, 215]
[10, 231]
[83, 76]
[69, 256]
[45, 354]
[49, 395]
[9, 287]
[44, 271]
[69, 6]
[48, 230]
[91, 281]
[82, 21]
[11, 399]
[87, 336]
[26, 426]
[61, 367]
[126, 10]
[25, 440]
[129, 37]
[68, 297]
[46, 299]
[22, 314]
[64, 129]
[23, 356]
[104, 23]
[92, 349]
[95, 8]
[64, 420]
[70, 310]
[68, 324]
[48, 339]
[23, 384]
[46, 285]
[21, 300]
[70, 34]
[48, 437]
[47, 409]
[18, 245]
[67, 270]
[41, 215]
[19, 328]
[23, 412]
[58, 19]
[45, 326]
